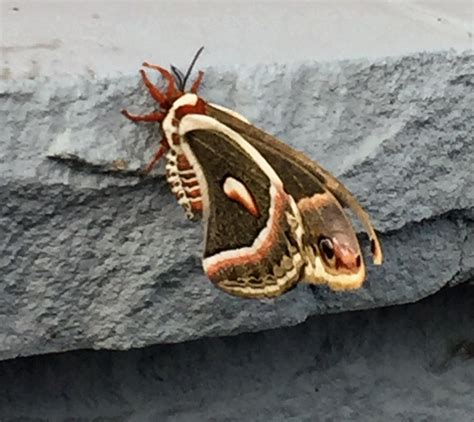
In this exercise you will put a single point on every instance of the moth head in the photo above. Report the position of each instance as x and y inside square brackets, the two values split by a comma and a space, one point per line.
[335, 258]
[176, 87]
[181, 78]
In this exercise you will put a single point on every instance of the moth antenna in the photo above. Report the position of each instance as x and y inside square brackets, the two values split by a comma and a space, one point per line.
[190, 69]
[179, 77]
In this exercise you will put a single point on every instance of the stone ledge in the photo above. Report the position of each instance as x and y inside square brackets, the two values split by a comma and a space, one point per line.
[94, 257]
[411, 362]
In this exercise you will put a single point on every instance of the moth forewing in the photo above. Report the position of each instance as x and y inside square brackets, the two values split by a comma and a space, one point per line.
[247, 253]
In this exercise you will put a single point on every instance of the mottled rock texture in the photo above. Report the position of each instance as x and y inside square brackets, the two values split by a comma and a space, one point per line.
[404, 363]
[94, 257]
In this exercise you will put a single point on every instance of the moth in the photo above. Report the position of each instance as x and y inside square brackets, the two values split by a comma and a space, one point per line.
[272, 217]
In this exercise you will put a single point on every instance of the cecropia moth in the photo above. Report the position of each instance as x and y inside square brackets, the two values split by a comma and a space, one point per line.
[272, 216]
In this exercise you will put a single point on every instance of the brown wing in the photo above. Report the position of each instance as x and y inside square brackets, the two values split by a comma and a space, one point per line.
[270, 147]
[320, 197]
[251, 245]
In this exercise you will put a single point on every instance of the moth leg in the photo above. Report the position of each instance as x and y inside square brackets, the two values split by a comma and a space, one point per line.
[157, 95]
[164, 147]
[171, 90]
[197, 82]
[154, 116]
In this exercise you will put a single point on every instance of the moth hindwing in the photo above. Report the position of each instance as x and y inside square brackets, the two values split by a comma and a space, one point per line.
[272, 217]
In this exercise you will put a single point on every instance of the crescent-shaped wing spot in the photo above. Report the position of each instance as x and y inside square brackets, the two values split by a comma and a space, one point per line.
[237, 191]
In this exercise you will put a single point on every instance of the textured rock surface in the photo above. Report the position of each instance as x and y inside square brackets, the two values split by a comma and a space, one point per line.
[405, 363]
[93, 258]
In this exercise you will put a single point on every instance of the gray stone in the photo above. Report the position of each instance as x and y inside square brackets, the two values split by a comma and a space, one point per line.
[92, 256]
[403, 363]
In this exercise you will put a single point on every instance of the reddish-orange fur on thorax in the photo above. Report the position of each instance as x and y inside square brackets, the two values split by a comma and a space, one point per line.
[165, 100]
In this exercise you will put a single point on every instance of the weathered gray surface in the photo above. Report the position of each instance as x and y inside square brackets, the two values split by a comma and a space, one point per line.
[406, 363]
[94, 260]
